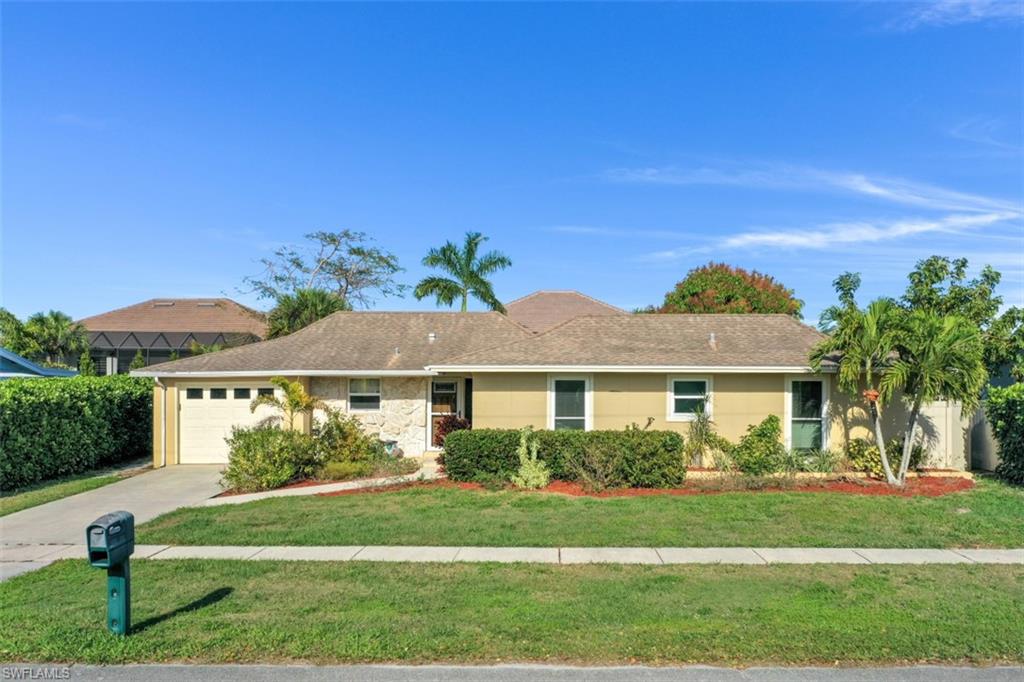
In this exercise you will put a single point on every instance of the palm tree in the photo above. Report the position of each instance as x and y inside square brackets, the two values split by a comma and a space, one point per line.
[864, 343]
[302, 308]
[468, 273]
[56, 335]
[293, 401]
[941, 357]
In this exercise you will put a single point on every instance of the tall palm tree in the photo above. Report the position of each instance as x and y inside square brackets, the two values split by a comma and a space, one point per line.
[468, 273]
[302, 308]
[864, 343]
[56, 335]
[941, 357]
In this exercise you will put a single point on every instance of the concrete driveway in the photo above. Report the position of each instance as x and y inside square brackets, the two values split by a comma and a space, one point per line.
[147, 496]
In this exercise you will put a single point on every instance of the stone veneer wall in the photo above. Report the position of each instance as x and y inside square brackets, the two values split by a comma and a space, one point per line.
[403, 409]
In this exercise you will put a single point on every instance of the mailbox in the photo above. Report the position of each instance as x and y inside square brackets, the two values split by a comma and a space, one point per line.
[110, 541]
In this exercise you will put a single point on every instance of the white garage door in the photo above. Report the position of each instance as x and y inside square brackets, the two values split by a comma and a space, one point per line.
[207, 414]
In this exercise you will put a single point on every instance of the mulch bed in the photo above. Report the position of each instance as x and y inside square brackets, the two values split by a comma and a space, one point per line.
[916, 487]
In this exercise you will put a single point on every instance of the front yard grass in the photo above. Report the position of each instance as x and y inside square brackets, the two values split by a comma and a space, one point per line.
[990, 515]
[48, 491]
[271, 611]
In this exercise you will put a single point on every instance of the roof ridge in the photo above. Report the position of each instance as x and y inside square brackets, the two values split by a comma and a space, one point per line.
[533, 336]
[567, 291]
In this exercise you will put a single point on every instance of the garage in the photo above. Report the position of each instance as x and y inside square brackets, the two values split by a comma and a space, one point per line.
[208, 412]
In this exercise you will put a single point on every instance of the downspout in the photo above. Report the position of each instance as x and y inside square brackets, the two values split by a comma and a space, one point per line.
[163, 421]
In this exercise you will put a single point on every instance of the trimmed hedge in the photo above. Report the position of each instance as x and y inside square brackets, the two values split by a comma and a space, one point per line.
[52, 427]
[1005, 412]
[646, 459]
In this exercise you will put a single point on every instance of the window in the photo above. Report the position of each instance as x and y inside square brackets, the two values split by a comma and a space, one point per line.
[218, 394]
[194, 393]
[242, 393]
[570, 403]
[686, 395]
[264, 391]
[363, 395]
[807, 414]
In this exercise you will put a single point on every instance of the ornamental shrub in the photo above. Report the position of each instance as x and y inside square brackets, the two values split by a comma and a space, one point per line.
[341, 438]
[647, 459]
[863, 455]
[447, 424]
[533, 474]
[265, 457]
[1005, 412]
[52, 427]
[760, 451]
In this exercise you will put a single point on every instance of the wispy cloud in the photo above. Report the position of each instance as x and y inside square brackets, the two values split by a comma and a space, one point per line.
[781, 176]
[596, 231]
[953, 12]
[838, 234]
[79, 121]
[984, 131]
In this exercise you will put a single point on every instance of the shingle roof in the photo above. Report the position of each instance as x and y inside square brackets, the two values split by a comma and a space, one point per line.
[360, 341]
[657, 341]
[543, 310]
[181, 315]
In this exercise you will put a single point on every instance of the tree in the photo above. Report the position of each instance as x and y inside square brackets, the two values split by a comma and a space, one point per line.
[941, 357]
[196, 348]
[139, 361]
[940, 285]
[721, 288]
[342, 263]
[300, 309]
[863, 342]
[916, 355]
[292, 403]
[13, 336]
[468, 273]
[86, 366]
[56, 335]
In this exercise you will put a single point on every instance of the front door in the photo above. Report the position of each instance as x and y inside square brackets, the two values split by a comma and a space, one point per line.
[444, 400]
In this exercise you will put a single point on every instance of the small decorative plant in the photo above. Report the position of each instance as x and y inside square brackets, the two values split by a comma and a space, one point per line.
[533, 474]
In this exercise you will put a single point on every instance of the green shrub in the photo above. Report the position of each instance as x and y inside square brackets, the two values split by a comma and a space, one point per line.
[343, 471]
[862, 455]
[760, 451]
[533, 473]
[60, 426]
[646, 459]
[815, 461]
[266, 457]
[341, 438]
[1005, 412]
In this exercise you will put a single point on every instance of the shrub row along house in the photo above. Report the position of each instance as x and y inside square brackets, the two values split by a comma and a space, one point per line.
[559, 360]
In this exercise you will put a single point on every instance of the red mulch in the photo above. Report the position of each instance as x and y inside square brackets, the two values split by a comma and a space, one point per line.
[916, 487]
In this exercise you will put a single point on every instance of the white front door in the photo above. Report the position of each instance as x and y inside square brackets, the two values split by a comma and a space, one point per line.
[206, 414]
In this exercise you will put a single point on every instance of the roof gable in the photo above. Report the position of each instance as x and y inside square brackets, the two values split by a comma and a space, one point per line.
[542, 310]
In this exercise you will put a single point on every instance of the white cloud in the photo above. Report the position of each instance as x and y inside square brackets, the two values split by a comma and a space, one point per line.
[782, 177]
[953, 12]
[837, 234]
[984, 131]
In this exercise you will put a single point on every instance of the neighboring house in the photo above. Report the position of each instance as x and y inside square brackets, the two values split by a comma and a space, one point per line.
[162, 326]
[542, 310]
[13, 366]
[399, 373]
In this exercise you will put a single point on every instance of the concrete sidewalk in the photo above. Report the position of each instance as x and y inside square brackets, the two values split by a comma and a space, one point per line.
[36, 554]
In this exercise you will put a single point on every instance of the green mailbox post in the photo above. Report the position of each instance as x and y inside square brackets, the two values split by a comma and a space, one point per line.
[110, 540]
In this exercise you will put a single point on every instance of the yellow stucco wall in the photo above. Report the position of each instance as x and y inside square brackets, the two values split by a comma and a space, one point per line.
[510, 401]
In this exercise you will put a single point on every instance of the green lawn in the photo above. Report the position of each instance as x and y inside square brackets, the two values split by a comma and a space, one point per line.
[991, 515]
[48, 491]
[230, 611]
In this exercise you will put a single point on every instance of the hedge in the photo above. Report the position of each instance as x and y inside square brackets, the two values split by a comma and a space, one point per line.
[648, 458]
[52, 427]
[1005, 411]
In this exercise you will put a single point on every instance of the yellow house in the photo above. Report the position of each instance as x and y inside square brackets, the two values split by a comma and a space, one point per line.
[557, 361]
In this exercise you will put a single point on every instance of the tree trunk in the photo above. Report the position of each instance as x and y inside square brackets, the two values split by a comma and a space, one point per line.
[908, 442]
[465, 301]
[880, 440]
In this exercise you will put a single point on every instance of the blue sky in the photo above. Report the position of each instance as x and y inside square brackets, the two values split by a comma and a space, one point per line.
[161, 150]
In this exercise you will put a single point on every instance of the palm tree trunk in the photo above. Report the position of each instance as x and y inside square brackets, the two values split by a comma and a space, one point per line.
[465, 300]
[880, 440]
[908, 442]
